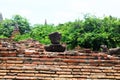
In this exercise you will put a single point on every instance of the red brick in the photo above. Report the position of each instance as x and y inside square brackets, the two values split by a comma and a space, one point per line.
[14, 62]
[80, 76]
[2, 74]
[110, 77]
[96, 70]
[12, 54]
[26, 78]
[59, 72]
[47, 72]
[25, 74]
[76, 73]
[65, 76]
[42, 75]
[37, 63]
[16, 71]
[48, 63]
[4, 71]
[76, 69]
[9, 77]
[4, 54]
[1, 77]
[117, 77]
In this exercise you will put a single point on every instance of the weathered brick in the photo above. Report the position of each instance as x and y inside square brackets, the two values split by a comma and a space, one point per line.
[25, 74]
[16, 71]
[48, 63]
[80, 76]
[13, 68]
[59, 72]
[76, 73]
[4, 54]
[110, 77]
[57, 66]
[14, 62]
[47, 72]
[108, 71]
[25, 78]
[65, 76]
[86, 70]
[76, 69]
[9, 77]
[86, 73]
[1, 77]
[117, 77]
[42, 75]
[12, 54]
[96, 71]
[4, 71]
[2, 74]
[117, 74]
[65, 70]
[28, 68]
[37, 63]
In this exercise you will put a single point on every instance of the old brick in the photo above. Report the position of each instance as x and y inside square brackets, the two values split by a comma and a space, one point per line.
[13, 68]
[42, 75]
[65, 70]
[28, 68]
[37, 63]
[80, 76]
[65, 76]
[76, 69]
[117, 77]
[86, 73]
[4, 71]
[59, 72]
[117, 74]
[14, 62]
[1, 77]
[47, 72]
[4, 54]
[86, 70]
[2, 74]
[9, 77]
[110, 77]
[25, 74]
[96, 70]
[76, 73]
[16, 71]
[108, 71]
[12, 54]
[25, 78]
[30, 71]
[48, 63]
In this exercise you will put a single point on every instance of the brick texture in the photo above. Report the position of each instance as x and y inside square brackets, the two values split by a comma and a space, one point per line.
[31, 62]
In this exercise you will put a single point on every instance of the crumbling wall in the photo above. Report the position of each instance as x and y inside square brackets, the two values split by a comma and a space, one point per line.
[31, 62]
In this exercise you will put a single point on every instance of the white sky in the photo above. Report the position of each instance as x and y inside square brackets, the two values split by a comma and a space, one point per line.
[58, 11]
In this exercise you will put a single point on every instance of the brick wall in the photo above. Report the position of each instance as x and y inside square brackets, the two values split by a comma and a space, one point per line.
[36, 64]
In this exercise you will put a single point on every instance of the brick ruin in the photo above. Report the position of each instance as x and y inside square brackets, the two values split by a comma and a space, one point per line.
[27, 60]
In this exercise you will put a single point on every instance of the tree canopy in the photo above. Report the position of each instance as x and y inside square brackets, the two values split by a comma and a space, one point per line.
[90, 32]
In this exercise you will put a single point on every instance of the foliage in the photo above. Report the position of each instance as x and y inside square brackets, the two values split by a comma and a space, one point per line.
[23, 24]
[41, 32]
[90, 32]
[1, 36]
[22, 37]
[7, 25]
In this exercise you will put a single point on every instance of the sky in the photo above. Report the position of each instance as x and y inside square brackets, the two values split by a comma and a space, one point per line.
[58, 11]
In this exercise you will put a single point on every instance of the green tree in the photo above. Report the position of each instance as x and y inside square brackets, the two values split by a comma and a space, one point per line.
[23, 24]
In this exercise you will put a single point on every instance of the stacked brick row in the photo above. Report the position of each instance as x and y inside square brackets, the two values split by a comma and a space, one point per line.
[36, 64]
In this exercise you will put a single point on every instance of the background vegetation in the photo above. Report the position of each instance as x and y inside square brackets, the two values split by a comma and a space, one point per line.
[90, 32]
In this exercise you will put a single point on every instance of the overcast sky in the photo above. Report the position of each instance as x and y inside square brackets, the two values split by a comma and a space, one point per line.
[58, 11]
